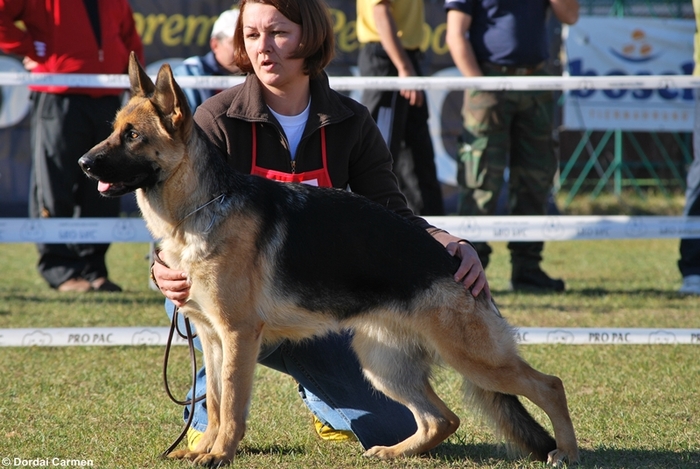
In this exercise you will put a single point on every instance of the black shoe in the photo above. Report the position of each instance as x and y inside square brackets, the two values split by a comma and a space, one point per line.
[103, 284]
[535, 279]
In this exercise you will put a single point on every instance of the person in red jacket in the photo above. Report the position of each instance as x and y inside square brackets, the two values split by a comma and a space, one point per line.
[70, 36]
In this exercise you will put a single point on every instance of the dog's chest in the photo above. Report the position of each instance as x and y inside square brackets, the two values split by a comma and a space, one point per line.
[184, 255]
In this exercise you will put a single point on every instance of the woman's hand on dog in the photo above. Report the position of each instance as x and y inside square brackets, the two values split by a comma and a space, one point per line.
[470, 272]
[174, 284]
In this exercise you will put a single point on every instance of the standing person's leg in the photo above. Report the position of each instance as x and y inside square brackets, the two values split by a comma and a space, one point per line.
[482, 156]
[533, 165]
[417, 137]
[53, 183]
[388, 109]
[689, 263]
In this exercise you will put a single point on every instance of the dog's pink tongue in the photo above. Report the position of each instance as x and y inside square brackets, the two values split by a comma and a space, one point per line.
[103, 186]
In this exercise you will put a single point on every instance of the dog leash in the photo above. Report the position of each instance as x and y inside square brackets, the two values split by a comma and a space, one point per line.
[193, 362]
[189, 336]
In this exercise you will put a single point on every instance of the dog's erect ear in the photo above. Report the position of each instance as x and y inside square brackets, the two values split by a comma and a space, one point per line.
[141, 84]
[169, 98]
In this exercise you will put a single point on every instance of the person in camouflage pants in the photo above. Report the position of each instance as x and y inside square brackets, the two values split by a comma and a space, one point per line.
[507, 129]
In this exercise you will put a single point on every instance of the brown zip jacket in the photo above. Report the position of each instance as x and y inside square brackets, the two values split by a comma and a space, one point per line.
[358, 157]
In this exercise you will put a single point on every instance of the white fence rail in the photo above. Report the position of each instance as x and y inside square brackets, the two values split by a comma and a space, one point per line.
[383, 83]
[487, 228]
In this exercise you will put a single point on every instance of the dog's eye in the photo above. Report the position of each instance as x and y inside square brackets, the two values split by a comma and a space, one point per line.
[132, 135]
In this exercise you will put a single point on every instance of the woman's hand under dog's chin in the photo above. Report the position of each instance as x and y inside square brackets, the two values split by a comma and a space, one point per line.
[174, 284]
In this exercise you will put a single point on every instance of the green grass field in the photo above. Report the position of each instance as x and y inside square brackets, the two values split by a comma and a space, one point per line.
[632, 406]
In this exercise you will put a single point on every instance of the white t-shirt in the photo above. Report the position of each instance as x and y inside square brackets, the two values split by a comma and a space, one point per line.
[293, 127]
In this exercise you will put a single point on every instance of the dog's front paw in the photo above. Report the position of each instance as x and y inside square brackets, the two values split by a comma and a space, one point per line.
[212, 460]
[185, 454]
[178, 454]
[559, 458]
[202, 459]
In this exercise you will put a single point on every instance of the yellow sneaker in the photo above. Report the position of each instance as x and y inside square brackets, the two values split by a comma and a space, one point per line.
[193, 437]
[328, 433]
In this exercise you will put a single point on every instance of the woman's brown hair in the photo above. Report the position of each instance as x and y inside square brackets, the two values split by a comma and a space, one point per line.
[317, 46]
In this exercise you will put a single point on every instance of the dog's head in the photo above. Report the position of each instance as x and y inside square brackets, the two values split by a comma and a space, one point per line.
[149, 138]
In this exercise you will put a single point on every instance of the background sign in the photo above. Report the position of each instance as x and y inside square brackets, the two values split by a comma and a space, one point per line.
[597, 46]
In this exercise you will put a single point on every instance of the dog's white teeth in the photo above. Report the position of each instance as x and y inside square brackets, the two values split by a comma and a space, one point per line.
[103, 186]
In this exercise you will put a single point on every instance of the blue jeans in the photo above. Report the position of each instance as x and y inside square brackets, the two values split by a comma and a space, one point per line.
[332, 386]
[689, 263]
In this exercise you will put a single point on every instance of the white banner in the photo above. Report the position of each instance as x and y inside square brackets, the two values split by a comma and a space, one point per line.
[157, 336]
[491, 228]
[607, 46]
[66, 336]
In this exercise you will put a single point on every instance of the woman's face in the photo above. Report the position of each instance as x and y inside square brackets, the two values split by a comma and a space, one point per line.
[270, 39]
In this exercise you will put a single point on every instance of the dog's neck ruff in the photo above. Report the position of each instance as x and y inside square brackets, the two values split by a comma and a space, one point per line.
[219, 198]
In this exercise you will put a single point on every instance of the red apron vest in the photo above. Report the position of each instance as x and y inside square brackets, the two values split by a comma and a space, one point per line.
[317, 177]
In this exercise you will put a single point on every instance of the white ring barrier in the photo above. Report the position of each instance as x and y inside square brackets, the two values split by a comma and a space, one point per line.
[121, 336]
[79, 80]
[567, 227]
[73, 230]
[486, 228]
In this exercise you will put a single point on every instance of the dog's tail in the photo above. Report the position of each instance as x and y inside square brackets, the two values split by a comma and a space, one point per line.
[512, 422]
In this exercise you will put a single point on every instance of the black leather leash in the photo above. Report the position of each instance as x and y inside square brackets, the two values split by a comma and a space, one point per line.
[193, 362]
[189, 336]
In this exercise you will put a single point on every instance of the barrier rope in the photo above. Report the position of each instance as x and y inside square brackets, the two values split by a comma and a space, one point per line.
[348, 83]
[486, 228]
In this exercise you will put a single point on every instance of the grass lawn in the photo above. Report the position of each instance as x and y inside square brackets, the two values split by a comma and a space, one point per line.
[632, 406]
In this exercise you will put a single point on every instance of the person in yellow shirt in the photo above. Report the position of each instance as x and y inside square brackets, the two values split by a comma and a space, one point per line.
[390, 33]
[689, 263]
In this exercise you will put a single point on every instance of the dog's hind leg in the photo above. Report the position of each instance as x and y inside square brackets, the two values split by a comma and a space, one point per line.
[400, 368]
[480, 345]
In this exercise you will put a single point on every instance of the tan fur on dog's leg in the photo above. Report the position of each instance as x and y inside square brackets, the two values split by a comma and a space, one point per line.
[401, 369]
[212, 343]
[433, 428]
[237, 372]
[482, 348]
[548, 393]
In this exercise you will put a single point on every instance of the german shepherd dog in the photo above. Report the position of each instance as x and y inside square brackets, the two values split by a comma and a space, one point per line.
[270, 261]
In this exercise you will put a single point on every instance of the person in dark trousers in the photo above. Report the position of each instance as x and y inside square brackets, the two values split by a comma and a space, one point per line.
[390, 33]
[507, 129]
[70, 36]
